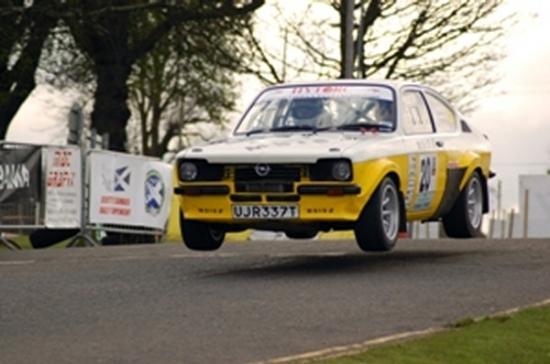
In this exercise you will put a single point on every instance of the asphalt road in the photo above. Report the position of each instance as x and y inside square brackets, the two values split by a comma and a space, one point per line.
[250, 301]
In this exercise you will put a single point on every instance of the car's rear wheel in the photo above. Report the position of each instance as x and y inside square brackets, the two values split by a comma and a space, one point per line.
[464, 219]
[378, 225]
[200, 236]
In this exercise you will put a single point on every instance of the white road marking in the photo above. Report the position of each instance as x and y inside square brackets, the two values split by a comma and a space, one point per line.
[17, 262]
[352, 349]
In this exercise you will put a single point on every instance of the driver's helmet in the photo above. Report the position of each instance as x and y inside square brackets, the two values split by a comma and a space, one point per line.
[305, 111]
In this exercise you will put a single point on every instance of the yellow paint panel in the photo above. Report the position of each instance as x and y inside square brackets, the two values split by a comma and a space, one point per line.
[368, 175]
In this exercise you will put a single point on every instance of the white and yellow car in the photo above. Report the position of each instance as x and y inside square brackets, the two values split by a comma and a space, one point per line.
[338, 155]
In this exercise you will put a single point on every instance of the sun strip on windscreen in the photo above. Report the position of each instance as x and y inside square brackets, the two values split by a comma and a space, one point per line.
[332, 91]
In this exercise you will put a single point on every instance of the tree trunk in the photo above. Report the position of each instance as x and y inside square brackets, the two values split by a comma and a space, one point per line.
[342, 13]
[111, 113]
[10, 106]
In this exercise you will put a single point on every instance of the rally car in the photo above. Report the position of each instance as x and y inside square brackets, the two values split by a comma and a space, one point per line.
[339, 155]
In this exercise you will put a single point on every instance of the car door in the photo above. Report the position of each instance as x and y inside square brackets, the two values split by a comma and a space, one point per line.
[447, 127]
[427, 159]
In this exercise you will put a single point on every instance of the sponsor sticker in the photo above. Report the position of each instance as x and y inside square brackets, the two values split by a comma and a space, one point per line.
[155, 192]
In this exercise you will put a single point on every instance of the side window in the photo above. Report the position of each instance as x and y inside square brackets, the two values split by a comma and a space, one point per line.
[416, 118]
[444, 116]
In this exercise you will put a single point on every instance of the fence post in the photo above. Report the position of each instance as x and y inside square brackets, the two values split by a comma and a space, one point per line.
[427, 230]
[8, 243]
[526, 213]
[78, 118]
[511, 224]
[503, 224]
[491, 224]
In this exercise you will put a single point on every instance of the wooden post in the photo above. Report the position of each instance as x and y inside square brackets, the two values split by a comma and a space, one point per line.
[427, 230]
[511, 224]
[491, 224]
[503, 224]
[526, 213]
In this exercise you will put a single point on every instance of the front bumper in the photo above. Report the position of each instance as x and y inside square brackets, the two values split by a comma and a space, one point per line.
[317, 202]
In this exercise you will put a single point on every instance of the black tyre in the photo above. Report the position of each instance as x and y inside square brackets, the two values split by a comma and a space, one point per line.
[301, 234]
[464, 219]
[200, 236]
[378, 225]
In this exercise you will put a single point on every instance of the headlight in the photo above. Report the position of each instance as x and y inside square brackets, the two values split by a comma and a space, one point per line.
[341, 170]
[188, 171]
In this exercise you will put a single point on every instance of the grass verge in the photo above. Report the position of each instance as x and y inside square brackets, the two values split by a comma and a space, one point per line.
[523, 337]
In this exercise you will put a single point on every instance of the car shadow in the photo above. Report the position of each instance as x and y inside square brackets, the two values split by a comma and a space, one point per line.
[353, 263]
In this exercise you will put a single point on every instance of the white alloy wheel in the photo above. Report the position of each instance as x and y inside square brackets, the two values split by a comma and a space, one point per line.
[474, 202]
[390, 211]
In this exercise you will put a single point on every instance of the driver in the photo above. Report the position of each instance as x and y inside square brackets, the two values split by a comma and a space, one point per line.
[306, 111]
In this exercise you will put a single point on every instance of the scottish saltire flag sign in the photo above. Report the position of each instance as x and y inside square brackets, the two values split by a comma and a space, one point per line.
[129, 190]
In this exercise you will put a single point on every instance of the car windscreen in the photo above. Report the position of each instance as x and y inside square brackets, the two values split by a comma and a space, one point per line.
[320, 107]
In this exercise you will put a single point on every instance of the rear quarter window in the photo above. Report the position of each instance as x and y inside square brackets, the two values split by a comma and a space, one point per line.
[465, 127]
[444, 116]
[415, 114]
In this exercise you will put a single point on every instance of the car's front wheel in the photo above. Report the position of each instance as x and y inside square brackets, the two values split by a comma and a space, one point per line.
[378, 225]
[200, 236]
[464, 219]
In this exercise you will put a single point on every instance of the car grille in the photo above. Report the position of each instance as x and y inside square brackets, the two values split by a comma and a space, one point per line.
[276, 172]
[258, 187]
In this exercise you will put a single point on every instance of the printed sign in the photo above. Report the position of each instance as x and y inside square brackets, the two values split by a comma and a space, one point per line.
[20, 187]
[129, 190]
[63, 194]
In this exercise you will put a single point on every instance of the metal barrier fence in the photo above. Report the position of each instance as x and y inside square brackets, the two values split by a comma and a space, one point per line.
[68, 187]
[21, 192]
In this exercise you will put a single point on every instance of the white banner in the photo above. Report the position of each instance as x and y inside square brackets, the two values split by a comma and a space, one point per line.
[129, 190]
[63, 177]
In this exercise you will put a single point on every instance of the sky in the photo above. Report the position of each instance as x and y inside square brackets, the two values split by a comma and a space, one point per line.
[514, 115]
[518, 120]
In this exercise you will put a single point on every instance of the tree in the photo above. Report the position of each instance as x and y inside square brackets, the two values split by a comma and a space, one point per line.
[113, 35]
[116, 34]
[449, 44]
[181, 83]
[25, 28]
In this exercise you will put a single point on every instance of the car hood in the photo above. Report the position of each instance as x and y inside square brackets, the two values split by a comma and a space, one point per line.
[279, 148]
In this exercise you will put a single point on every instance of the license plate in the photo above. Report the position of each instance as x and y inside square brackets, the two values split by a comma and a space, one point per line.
[265, 211]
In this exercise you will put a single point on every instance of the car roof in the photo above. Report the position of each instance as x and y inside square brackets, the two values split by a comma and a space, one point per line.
[396, 84]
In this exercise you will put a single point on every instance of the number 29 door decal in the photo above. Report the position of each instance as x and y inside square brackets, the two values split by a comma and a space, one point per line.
[422, 181]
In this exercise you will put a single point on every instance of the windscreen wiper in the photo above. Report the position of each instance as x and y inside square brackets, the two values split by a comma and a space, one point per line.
[293, 128]
[360, 126]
